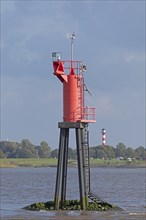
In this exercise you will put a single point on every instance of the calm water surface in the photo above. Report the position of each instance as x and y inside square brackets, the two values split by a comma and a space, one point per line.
[120, 186]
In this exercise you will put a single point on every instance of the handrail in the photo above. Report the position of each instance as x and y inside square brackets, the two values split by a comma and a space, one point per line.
[85, 113]
[68, 64]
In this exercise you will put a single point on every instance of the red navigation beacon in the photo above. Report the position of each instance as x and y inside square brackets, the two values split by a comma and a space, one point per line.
[74, 109]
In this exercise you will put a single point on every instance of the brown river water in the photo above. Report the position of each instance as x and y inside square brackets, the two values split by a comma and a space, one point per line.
[123, 187]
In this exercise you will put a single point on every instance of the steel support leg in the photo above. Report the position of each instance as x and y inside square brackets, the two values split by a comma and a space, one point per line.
[83, 197]
[59, 170]
[64, 173]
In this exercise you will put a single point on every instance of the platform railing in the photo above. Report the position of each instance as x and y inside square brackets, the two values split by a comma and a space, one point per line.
[81, 114]
[76, 65]
[89, 113]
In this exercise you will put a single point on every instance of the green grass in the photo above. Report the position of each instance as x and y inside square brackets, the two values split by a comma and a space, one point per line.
[117, 163]
[45, 162]
[28, 162]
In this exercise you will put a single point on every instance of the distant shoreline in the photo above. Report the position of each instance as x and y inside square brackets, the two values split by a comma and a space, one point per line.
[50, 162]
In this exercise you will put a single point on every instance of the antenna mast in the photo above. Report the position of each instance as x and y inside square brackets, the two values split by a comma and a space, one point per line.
[72, 37]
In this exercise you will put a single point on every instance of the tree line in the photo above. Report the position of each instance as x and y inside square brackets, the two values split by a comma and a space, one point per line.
[25, 149]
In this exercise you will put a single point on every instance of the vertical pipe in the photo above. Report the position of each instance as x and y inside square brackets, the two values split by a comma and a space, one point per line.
[59, 170]
[64, 173]
[88, 157]
[80, 169]
[71, 50]
[72, 37]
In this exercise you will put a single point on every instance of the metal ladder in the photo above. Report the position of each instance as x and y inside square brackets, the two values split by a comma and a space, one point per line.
[95, 198]
[86, 164]
[81, 96]
[86, 159]
[91, 195]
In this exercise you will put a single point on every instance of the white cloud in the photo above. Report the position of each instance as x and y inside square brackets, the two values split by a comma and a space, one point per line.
[11, 99]
[134, 57]
[19, 39]
[23, 55]
[104, 106]
[2, 44]
[7, 7]
[48, 24]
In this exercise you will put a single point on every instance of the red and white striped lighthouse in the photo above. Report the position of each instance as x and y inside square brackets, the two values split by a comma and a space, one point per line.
[103, 136]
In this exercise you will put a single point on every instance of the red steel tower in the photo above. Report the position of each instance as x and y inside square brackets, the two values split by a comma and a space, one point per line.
[75, 116]
[74, 109]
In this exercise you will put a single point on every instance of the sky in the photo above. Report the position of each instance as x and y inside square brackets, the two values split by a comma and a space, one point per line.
[110, 39]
